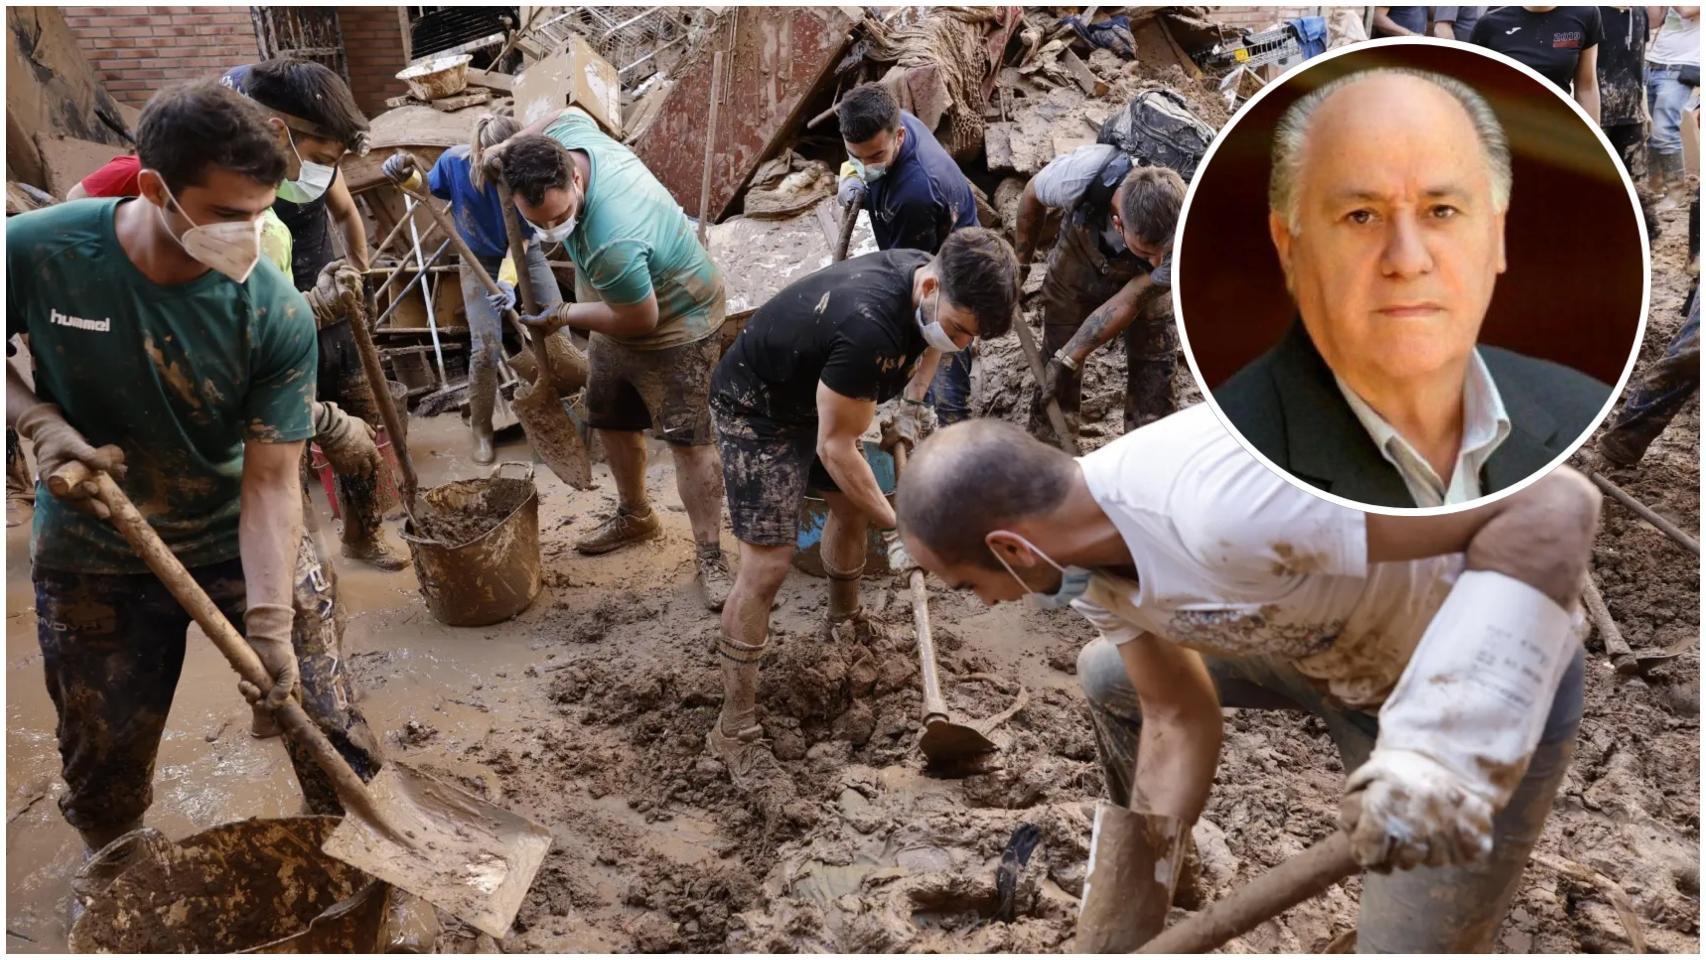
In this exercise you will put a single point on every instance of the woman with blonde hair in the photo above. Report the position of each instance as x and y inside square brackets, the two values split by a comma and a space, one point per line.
[459, 177]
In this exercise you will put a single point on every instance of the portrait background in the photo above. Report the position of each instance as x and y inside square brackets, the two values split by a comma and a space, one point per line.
[1571, 291]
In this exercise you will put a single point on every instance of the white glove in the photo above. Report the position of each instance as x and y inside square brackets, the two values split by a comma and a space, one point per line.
[900, 561]
[1459, 728]
[852, 188]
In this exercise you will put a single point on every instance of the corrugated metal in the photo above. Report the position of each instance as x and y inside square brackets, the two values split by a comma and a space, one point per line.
[774, 57]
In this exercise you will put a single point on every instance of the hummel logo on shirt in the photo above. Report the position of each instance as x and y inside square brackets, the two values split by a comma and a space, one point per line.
[65, 320]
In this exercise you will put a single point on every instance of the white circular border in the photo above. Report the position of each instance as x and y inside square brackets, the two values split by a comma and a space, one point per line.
[1573, 446]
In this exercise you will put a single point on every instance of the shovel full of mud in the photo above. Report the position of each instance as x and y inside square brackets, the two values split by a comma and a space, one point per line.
[466, 856]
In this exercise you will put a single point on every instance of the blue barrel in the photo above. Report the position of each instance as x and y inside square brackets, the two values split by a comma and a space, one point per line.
[814, 512]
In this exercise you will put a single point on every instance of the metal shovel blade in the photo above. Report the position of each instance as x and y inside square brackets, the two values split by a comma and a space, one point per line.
[463, 855]
[950, 746]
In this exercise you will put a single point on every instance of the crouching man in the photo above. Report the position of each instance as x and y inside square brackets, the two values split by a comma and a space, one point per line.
[1442, 652]
[791, 399]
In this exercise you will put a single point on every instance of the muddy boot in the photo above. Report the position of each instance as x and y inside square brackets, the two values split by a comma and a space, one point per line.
[735, 737]
[620, 530]
[262, 724]
[1669, 181]
[19, 510]
[482, 387]
[375, 553]
[714, 576]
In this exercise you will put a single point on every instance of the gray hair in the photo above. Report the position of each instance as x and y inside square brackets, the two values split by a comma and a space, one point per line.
[1294, 126]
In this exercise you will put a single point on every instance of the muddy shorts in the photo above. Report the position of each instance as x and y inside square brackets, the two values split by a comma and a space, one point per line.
[764, 479]
[112, 649]
[667, 390]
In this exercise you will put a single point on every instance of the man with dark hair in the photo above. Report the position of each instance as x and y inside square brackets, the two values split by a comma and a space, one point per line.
[317, 123]
[167, 354]
[1111, 272]
[1443, 653]
[793, 397]
[916, 195]
[652, 302]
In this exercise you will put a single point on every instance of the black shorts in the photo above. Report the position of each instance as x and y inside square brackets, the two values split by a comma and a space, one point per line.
[765, 477]
[667, 390]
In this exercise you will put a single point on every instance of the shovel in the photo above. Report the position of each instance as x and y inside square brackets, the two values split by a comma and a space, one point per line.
[947, 745]
[538, 405]
[451, 849]
[1034, 357]
[382, 399]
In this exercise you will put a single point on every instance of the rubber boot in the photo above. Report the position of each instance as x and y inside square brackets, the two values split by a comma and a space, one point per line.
[106, 863]
[1669, 181]
[1135, 862]
[482, 391]
[262, 724]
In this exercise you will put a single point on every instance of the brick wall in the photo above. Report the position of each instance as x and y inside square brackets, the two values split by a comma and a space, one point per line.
[137, 50]
[1258, 17]
[373, 45]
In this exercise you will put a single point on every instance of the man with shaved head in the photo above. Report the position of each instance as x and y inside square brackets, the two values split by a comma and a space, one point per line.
[1387, 204]
[1443, 653]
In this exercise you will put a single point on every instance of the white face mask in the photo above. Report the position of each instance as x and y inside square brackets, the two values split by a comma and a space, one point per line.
[312, 180]
[870, 174]
[1074, 581]
[933, 333]
[232, 248]
[561, 231]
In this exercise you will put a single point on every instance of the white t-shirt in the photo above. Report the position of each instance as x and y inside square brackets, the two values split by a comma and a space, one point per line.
[1678, 41]
[1234, 561]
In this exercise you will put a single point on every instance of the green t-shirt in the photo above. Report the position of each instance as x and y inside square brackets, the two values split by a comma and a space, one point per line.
[179, 376]
[632, 239]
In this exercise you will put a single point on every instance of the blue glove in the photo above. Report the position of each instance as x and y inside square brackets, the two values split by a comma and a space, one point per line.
[398, 167]
[504, 299]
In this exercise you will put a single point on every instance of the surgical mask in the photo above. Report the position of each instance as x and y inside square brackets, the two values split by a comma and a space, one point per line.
[933, 333]
[1074, 581]
[312, 180]
[230, 247]
[561, 231]
[869, 174]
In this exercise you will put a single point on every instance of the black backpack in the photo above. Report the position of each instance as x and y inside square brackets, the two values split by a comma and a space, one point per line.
[1158, 129]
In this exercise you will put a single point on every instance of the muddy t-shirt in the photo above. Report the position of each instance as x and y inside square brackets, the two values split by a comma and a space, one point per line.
[178, 376]
[849, 326]
[1550, 42]
[1234, 561]
[1621, 66]
[631, 239]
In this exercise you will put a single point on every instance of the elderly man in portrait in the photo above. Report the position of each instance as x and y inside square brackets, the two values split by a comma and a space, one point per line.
[1387, 208]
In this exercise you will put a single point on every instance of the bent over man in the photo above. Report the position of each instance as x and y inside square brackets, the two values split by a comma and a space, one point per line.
[1443, 652]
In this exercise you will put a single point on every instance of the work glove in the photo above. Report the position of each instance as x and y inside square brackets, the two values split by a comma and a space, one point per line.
[504, 299]
[58, 443]
[852, 188]
[326, 298]
[1404, 809]
[909, 423]
[1057, 378]
[347, 441]
[900, 559]
[548, 320]
[266, 626]
[398, 167]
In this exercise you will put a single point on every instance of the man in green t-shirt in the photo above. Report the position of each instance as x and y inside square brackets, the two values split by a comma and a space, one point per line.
[168, 353]
[652, 302]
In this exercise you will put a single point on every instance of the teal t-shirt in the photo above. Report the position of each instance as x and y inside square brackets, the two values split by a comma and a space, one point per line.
[632, 239]
[179, 376]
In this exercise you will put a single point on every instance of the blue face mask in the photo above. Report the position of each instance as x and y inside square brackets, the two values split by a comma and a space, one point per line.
[1074, 581]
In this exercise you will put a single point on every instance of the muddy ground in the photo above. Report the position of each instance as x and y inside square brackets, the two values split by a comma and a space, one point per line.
[588, 713]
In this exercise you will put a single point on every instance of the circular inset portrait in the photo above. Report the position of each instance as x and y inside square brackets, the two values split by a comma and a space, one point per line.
[1410, 275]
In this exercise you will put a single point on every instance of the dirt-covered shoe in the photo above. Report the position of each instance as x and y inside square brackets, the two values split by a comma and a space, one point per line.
[18, 511]
[375, 553]
[862, 627]
[747, 755]
[714, 577]
[620, 530]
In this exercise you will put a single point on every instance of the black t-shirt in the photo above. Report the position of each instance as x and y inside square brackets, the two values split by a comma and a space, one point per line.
[1622, 80]
[1550, 42]
[850, 325]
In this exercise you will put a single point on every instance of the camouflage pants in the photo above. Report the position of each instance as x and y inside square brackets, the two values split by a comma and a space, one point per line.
[1426, 910]
[1152, 350]
[113, 646]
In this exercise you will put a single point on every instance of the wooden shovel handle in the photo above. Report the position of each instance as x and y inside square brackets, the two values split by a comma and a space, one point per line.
[382, 399]
[523, 278]
[934, 704]
[160, 559]
[468, 259]
[1264, 898]
[1034, 357]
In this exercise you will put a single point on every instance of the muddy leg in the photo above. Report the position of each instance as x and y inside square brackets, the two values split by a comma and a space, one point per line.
[112, 648]
[746, 626]
[844, 548]
[699, 480]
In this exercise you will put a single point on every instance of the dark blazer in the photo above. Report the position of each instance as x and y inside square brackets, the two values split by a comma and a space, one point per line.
[1286, 404]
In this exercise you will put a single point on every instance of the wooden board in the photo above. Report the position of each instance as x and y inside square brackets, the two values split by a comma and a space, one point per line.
[473, 97]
